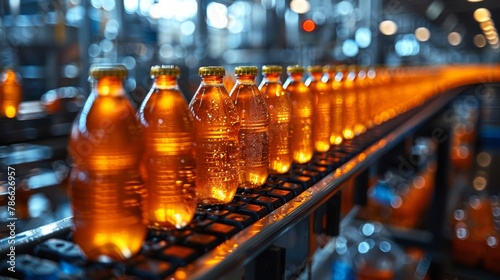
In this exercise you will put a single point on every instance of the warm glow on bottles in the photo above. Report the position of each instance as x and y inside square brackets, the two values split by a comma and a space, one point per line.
[10, 93]
[217, 125]
[382, 96]
[169, 161]
[254, 128]
[349, 104]
[371, 99]
[280, 113]
[333, 80]
[302, 111]
[105, 144]
[361, 102]
[322, 102]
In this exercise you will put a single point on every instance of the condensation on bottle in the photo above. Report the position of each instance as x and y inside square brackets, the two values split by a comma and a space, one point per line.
[10, 93]
[217, 125]
[105, 144]
[254, 128]
[169, 158]
[279, 107]
[302, 111]
[333, 80]
[322, 103]
[349, 104]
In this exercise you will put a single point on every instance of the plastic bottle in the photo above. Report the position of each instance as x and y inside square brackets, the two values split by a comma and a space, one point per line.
[169, 159]
[333, 78]
[349, 104]
[322, 102]
[361, 101]
[10, 93]
[254, 128]
[371, 92]
[302, 112]
[217, 125]
[280, 114]
[105, 144]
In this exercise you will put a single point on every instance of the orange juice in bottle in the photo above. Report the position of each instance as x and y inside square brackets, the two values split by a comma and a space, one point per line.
[280, 113]
[217, 124]
[106, 144]
[371, 93]
[384, 93]
[302, 112]
[254, 128]
[169, 160]
[361, 102]
[322, 102]
[333, 80]
[349, 105]
[10, 93]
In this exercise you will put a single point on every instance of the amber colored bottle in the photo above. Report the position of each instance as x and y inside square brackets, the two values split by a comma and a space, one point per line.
[371, 92]
[254, 128]
[10, 93]
[105, 144]
[349, 104]
[361, 102]
[333, 79]
[322, 102]
[217, 125]
[169, 159]
[280, 114]
[302, 112]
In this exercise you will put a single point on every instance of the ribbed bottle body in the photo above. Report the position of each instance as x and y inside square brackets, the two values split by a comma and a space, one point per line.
[321, 118]
[254, 132]
[106, 144]
[280, 112]
[217, 125]
[169, 157]
[349, 117]
[301, 125]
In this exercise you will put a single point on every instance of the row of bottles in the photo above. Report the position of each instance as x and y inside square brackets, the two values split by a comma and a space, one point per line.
[202, 152]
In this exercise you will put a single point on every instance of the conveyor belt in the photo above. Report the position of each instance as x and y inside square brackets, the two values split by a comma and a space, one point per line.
[220, 239]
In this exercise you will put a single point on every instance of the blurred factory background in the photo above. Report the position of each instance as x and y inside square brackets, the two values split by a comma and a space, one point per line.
[52, 43]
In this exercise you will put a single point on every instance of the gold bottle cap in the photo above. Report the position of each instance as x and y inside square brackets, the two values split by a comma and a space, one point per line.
[340, 68]
[245, 70]
[211, 71]
[108, 70]
[329, 68]
[168, 70]
[295, 69]
[315, 69]
[272, 69]
[352, 68]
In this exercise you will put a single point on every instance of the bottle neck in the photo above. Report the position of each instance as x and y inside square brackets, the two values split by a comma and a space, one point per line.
[296, 77]
[272, 78]
[316, 76]
[245, 79]
[165, 82]
[212, 80]
[9, 75]
[109, 86]
[329, 74]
